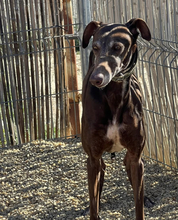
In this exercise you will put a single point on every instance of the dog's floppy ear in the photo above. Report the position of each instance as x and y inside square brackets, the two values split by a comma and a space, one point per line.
[138, 23]
[90, 31]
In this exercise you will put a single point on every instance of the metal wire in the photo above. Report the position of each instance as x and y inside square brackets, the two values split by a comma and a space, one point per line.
[156, 70]
[159, 67]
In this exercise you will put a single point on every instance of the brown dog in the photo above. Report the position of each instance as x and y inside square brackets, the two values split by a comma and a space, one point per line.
[112, 106]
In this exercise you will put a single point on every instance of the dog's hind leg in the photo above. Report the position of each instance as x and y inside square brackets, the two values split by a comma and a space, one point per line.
[127, 166]
[103, 167]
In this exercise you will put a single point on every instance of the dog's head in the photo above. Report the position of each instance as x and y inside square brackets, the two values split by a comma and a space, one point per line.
[114, 48]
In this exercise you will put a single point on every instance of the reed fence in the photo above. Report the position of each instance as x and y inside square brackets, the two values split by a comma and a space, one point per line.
[157, 68]
[38, 81]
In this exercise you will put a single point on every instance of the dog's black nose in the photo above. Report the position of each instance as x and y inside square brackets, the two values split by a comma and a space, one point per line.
[97, 80]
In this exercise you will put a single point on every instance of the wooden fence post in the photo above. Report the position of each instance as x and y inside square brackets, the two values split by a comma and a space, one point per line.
[70, 69]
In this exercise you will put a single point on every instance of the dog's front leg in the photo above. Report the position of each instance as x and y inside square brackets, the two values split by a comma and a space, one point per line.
[95, 177]
[137, 170]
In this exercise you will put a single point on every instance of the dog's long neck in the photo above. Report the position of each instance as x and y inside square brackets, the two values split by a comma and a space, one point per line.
[117, 95]
[117, 92]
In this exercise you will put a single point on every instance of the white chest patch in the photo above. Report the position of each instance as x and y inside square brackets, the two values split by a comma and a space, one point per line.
[113, 134]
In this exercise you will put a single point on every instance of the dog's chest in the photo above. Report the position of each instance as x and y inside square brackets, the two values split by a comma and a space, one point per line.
[113, 135]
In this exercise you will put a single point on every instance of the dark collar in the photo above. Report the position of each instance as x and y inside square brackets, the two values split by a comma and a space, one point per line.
[118, 77]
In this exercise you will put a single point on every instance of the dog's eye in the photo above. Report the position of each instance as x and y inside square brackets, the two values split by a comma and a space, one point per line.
[117, 47]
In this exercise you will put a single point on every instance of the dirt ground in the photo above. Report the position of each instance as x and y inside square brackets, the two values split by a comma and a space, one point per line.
[48, 180]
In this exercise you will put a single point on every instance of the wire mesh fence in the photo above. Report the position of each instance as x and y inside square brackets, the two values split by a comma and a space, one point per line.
[42, 66]
[41, 75]
[157, 69]
[38, 82]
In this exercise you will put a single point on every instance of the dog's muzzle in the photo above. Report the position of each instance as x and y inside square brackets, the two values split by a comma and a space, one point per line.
[104, 71]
